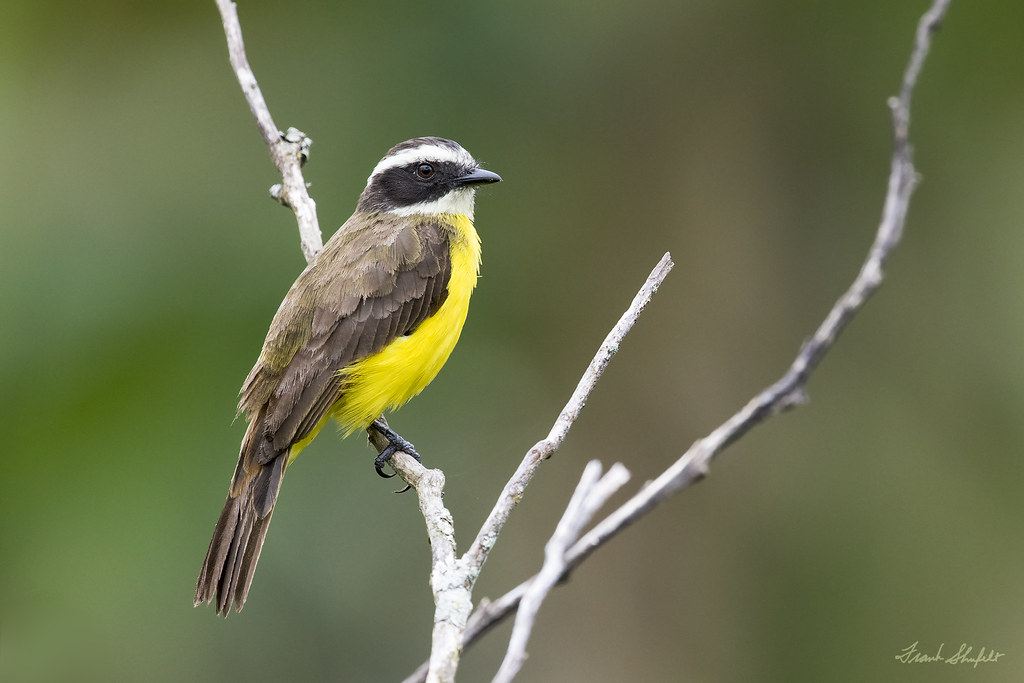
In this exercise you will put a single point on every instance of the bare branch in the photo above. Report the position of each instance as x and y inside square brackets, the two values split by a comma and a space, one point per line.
[788, 391]
[288, 152]
[544, 449]
[591, 494]
[452, 595]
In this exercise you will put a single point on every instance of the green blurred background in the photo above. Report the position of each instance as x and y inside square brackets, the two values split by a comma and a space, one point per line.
[141, 262]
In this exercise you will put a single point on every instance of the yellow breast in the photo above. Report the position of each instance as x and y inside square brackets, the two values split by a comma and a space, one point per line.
[408, 364]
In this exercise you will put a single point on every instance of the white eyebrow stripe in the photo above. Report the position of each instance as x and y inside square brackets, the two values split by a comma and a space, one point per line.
[423, 153]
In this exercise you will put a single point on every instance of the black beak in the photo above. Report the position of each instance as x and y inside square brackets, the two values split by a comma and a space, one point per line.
[477, 177]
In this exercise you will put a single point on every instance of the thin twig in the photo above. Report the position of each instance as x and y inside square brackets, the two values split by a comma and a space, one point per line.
[591, 494]
[288, 152]
[544, 449]
[788, 391]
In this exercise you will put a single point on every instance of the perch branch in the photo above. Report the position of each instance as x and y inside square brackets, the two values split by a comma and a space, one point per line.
[452, 595]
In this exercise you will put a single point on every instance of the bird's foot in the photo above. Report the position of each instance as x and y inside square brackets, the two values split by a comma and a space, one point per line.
[395, 443]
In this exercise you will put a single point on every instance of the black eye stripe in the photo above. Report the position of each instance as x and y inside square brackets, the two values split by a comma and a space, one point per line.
[404, 185]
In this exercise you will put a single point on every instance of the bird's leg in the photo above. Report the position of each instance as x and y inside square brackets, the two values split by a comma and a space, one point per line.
[395, 444]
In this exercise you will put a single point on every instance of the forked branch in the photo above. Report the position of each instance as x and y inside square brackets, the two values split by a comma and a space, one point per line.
[789, 390]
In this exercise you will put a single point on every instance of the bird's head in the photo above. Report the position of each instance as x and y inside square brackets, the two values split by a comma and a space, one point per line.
[425, 176]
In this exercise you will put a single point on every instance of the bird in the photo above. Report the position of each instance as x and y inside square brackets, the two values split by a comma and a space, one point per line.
[364, 328]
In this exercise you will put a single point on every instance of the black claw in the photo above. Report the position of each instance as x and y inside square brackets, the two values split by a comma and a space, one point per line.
[395, 444]
[380, 460]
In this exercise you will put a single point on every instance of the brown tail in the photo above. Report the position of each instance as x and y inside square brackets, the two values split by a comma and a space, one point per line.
[238, 537]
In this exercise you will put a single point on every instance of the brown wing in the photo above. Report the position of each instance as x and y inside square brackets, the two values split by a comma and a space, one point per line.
[367, 287]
